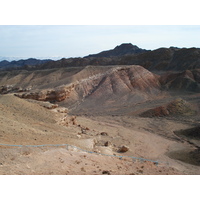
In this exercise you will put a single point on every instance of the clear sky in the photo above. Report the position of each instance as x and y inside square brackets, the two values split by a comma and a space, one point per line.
[81, 40]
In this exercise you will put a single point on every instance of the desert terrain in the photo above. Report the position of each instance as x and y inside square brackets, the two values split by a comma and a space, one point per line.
[119, 119]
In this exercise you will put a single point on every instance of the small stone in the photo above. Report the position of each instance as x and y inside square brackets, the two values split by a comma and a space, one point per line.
[140, 171]
[83, 169]
[83, 131]
[105, 172]
[104, 133]
[123, 149]
[107, 144]
[74, 123]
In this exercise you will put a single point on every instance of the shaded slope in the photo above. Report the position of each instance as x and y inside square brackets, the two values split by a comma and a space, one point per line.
[188, 80]
[178, 107]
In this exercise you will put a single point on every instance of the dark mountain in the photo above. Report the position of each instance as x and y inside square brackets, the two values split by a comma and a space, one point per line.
[4, 63]
[121, 50]
[21, 63]
[162, 59]
[166, 59]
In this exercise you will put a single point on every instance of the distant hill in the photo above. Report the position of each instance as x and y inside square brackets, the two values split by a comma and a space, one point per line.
[121, 50]
[21, 63]
[166, 59]
[177, 107]
[162, 59]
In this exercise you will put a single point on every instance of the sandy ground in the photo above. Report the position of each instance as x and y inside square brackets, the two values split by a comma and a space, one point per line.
[27, 123]
[61, 161]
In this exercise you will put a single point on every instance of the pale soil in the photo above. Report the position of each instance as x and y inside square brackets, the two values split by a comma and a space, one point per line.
[63, 162]
[27, 123]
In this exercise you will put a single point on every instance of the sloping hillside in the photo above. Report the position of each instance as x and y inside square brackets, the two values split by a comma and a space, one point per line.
[94, 88]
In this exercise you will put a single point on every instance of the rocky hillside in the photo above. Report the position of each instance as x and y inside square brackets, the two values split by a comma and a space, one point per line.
[92, 87]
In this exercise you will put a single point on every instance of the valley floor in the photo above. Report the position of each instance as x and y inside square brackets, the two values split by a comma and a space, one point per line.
[26, 122]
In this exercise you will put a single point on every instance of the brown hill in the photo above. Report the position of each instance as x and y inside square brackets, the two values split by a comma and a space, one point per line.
[95, 88]
[174, 108]
[188, 80]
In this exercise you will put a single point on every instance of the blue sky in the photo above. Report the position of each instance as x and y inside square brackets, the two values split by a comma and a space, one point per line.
[80, 40]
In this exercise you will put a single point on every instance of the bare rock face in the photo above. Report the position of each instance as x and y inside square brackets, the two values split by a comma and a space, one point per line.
[60, 109]
[46, 104]
[5, 89]
[176, 107]
[58, 94]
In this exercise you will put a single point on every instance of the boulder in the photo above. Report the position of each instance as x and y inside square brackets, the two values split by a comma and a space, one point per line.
[123, 149]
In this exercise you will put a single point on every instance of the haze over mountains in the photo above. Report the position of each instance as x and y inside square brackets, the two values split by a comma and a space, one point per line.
[3, 58]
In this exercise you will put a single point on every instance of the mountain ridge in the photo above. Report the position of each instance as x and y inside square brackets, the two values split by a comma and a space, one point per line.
[21, 63]
[121, 50]
[161, 59]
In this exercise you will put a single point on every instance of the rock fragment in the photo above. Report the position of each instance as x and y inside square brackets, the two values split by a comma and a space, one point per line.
[123, 149]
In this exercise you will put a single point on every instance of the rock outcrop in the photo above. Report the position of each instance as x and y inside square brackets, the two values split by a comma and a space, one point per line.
[53, 95]
[5, 89]
[123, 149]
